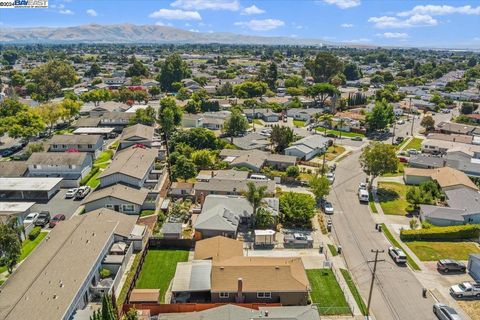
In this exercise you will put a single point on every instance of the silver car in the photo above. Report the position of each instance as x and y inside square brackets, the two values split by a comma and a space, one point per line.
[444, 312]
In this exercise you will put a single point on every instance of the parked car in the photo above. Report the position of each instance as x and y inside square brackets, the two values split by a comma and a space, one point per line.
[400, 122]
[330, 177]
[56, 219]
[447, 265]
[43, 219]
[403, 159]
[363, 195]
[331, 135]
[466, 289]
[328, 207]
[397, 255]
[444, 312]
[399, 140]
[413, 151]
[71, 193]
[30, 218]
[82, 192]
[357, 138]
[362, 186]
[298, 239]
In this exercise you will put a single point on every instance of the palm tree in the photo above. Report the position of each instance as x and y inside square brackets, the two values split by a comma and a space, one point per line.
[327, 120]
[255, 195]
[341, 123]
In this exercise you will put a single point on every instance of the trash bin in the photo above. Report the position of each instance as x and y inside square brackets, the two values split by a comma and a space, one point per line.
[321, 248]
[329, 227]
[339, 249]
[376, 226]
[379, 228]
[424, 292]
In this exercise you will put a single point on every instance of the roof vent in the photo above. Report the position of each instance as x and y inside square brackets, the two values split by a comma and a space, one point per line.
[221, 268]
[277, 267]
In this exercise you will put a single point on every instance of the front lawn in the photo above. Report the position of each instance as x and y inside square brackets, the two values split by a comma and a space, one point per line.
[333, 152]
[299, 123]
[27, 247]
[432, 251]
[392, 198]
[415, 143]
[353, 289]
[399, 172]
[326, 293]
[104, 156]
[159, 268]
[342, 133]
[93, 182]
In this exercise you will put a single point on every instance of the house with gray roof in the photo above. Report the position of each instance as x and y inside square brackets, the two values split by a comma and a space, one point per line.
[92, 144]
[302, 114]
[308, 147]
[266, 115]
[252, 140]
[13, 168]
[255, 159]
[226, 186]
[137, 134]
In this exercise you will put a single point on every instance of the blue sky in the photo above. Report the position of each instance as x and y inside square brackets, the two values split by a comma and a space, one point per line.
[383, 22]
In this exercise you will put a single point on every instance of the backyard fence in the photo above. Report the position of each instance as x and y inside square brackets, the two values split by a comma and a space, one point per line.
[156, 242]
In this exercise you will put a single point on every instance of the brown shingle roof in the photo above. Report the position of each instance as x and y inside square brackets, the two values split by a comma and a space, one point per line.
[13, 168]
[134, 162]
[74, 139]
[138, 130]
[57, 158]
[218, 248]
[120, 192]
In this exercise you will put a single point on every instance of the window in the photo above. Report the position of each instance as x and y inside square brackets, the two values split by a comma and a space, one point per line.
[54, 146]
[224, 295]
[128, 208]
[109, 206]
[89, 146]
[264, 295]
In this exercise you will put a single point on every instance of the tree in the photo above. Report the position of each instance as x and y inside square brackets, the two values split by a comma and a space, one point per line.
[378, 158]
[147, 116]
[236, 124]
[225, 89]
[131, 314]
[137, 69]
[51, 113]
[17, 79]
[154, 91]
[376, 79]
[203, 159]
[292, 172]
[10, 247]
[250, 89]
[93, 71]
[96, 95]
[23, 125]
[321, 91]
[140, 96]
[255, 195]
[326, 119]
[10, 57]
[319, 186]
[34, 147]
[174, 69]
[50, 78]
[297, 209]
[184, 168]
[294, 82]
[352, 72]
[10, 107]
[381, 115]
[272, 76]
[281, 137]
[324, 66]
[107, 311]
[414, 196]
[169, 103]
[467, 108]
[70, 107]
[428, 123]
[263, 219]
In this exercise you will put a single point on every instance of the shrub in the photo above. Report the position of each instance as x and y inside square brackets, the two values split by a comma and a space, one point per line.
[89, 176]
[104, 273]
[442, 233]
[34, 233]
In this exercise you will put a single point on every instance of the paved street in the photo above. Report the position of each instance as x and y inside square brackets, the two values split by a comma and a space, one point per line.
[397, 293]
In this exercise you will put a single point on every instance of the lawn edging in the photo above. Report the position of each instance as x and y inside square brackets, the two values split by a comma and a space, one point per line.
[397, 244]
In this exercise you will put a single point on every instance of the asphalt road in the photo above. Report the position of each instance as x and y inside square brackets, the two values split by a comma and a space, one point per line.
[397, 293]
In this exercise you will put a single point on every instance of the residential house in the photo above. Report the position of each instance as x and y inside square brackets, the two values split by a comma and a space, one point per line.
[434, 146]
[115, 82]
[255, 160]
[120, 198]
[192, 121]
[306, 115]
[71, 166]
[181, 190]
[468, 139]
[458, 128]
[252, 140]
[266, 115]
[86, 122]
[61, 276]
[13, 168]
[117, 120]
[133, 166]
[171, 230]
[105, 107]
[215, 120]
[92, 144]
[137, 134]
[308, 147]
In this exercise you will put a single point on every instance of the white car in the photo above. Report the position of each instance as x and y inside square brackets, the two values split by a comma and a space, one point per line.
[71, 193]
[330, 177]
[397, 255]
[328, 208]
[31, 218]
[466, 289]
[362, 186]
[400, 122]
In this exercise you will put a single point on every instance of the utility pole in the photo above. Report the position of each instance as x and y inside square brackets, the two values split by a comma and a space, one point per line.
[393, 136]
[413, 117]
[373, 278]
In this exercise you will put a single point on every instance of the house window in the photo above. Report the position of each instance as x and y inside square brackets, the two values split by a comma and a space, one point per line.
[264, 295]
[54, 146]
[224, 295]
[89, 146]
[109, 206]
[128, 208]
[64, 146]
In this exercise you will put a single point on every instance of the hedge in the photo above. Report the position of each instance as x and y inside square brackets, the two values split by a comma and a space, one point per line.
[89, 176]
[34, 233]
[468, 231]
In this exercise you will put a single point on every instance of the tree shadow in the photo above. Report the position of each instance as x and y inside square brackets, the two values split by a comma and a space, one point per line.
[387, 195]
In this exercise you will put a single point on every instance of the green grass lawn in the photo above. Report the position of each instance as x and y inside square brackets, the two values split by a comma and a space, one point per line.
[27, 247]
[401, 144]
[93, 182]
[392, 198]
[159, 268]
[326, 293]
[299, 123]
[104, 156]
[395, 243]
[354, 291]
[415, 143]
[333, 249]
[333, 152]
[399, 172]
[344, 133]
[371, 203]
[431, 251]
[258, 122]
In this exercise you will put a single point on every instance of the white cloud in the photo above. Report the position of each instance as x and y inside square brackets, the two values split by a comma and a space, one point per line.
[344, 4]
[434, 10]
[194, 30]
[252, 10]
[417, 20]
[347, 25]
[162, 24]
[230, 5]
[393, 35]
[261, 25]
[92, 13]
[176, 14]
[361, 40]
[65, 11]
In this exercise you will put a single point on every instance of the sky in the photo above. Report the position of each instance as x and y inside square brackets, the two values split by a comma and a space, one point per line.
[433, 23]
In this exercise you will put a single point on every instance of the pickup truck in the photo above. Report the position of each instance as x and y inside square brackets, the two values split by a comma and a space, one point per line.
[466, 290]
[298, 239]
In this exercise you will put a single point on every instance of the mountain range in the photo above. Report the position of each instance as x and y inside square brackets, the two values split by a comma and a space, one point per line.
[129, 33]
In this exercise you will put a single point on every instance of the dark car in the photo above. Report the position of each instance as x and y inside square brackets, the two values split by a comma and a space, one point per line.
[43, 219]
[331, 135]
[447, 265]
[56, 219]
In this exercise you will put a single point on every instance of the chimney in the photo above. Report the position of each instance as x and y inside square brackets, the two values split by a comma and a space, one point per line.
[240, 298]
